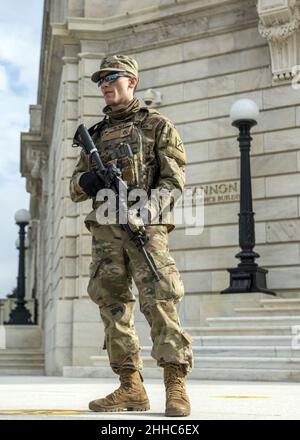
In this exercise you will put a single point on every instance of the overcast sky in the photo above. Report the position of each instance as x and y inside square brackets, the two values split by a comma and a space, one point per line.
[20, 39]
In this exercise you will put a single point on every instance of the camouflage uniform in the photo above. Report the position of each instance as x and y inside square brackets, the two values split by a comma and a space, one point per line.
[158, 162]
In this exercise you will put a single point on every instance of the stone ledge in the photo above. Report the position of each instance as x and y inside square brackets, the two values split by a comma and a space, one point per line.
[23, 336]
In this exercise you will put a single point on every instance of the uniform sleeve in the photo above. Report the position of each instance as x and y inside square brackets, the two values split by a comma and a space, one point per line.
[172, 162]
[76, 192]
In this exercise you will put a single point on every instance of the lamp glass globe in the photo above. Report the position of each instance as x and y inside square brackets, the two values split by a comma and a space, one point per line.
[245, 109]
[22, 216]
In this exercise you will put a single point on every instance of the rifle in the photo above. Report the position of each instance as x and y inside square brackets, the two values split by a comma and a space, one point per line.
[110, 176]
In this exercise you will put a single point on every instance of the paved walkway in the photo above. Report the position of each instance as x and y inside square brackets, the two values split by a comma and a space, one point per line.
[23, 397]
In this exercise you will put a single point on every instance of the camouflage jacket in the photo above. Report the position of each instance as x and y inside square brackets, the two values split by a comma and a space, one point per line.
[158, 160]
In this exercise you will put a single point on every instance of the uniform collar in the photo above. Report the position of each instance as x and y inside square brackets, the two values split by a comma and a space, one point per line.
[123, 114]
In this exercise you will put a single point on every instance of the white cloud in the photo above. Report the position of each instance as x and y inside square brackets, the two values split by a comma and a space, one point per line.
[3, 79]
[20, 36]
[14, 118]
[19, 47]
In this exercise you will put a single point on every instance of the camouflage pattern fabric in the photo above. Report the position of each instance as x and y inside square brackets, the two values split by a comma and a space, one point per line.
[159, 162]
[159, 157]
[115, 260]
[116, 63]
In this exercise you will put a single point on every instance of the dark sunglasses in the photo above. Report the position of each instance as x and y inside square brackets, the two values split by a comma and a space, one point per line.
[111, 77]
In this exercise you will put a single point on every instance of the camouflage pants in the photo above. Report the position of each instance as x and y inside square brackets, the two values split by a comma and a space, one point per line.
[115, 260]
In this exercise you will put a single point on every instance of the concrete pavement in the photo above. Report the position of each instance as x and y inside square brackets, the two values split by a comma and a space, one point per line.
[60, 398]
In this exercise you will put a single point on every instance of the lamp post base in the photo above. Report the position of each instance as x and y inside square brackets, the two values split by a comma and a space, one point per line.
[248, 278]
[19, 316]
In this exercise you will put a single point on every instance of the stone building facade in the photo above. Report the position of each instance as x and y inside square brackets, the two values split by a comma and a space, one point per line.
[201, 55]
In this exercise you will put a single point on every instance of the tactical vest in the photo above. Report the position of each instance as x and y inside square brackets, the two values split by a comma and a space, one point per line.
[141, 169]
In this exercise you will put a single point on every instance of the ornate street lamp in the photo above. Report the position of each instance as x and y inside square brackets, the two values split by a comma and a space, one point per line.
[20, 315]
[247, 276]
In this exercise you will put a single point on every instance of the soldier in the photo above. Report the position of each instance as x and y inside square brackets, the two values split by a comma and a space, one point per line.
[158, 161]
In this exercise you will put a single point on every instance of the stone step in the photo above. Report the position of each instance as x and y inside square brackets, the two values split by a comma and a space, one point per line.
[106, 372]
[20, 362]
[193, 331]
[280, 302]
[243, 374]
[257, 311]
[103, 362]
[26, 362]
[253, 321]
[17, 357]
[245, 330]
[22, 365]
[243, 340]
[255, 351]
[210, 373]
[222, 362]
[24, 371]
[287, 363]
[21, 356]
[234, 350]
[18, 351]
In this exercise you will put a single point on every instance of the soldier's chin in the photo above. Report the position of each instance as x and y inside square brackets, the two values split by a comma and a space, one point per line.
[109, 100]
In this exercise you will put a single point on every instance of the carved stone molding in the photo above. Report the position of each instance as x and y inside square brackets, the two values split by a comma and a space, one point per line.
[37, 159]
[279, 23]
[36, 163]
[34, 187]
[157, 26]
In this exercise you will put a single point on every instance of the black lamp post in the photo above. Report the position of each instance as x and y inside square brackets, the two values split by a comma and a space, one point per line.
[20, 315]
[247, 276]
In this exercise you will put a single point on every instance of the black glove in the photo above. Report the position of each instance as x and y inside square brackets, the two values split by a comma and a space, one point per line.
[90, 183]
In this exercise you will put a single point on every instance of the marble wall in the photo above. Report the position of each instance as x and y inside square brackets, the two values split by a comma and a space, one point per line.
[202, 56]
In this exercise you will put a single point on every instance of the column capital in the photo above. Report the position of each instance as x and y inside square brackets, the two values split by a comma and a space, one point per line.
[279, 22]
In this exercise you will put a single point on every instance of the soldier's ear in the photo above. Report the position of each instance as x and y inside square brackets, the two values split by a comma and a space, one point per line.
[133, 82]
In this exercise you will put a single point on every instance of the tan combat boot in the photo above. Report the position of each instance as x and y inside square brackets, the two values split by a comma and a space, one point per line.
[177, 401]
[130, 396]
